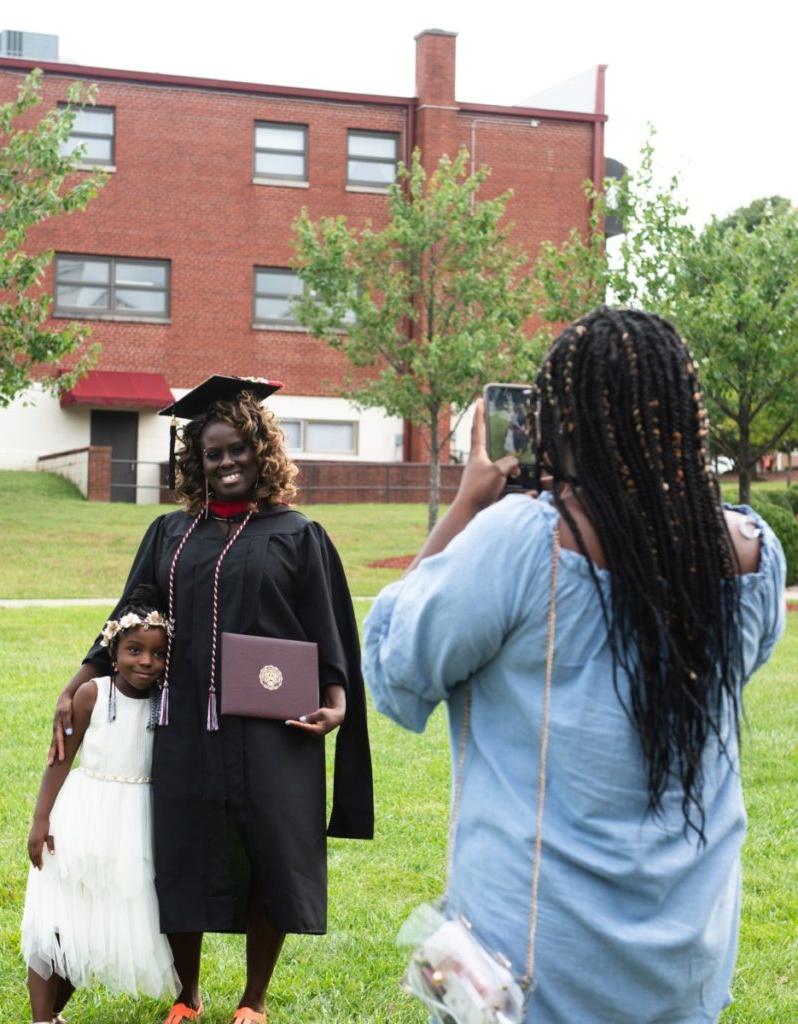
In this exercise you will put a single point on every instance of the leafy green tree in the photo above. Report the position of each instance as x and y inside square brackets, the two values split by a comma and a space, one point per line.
[428, 308]
[731, 288]
[34, 188]
[753, 214]
[578, 274]
[735, 298]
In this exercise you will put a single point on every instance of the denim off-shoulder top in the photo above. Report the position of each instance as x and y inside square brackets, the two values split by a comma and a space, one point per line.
[637, 922]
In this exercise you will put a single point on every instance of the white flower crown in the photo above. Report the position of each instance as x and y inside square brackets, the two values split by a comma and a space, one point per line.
[152, 619]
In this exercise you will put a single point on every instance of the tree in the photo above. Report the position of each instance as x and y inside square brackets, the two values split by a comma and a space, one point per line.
[578, 274]
[736, 300]
[34, 188]
[427, 309]
[753, 214]
[731, 289]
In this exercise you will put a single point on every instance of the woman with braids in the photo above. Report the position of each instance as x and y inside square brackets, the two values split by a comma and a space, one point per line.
[239, 803]
[664, 605]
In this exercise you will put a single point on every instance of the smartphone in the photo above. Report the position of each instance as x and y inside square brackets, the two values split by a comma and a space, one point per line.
[508, 429]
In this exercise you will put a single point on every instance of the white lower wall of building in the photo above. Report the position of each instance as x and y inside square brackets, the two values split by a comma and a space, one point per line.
[153, 449]
[73, 466]
[35, 425]
[379, 437]
[460, 444]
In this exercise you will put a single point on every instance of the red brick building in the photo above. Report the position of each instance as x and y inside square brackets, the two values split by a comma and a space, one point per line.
[182, 263]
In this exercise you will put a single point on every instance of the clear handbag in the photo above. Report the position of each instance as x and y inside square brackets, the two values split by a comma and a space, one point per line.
[450, 970]
[454, 975]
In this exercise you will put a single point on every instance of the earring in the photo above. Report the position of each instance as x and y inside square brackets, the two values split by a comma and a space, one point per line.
[112, 695]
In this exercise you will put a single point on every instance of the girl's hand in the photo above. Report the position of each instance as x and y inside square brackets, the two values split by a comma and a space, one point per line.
[326, 718]
[37, 838]
[62, 727]
[483, 481]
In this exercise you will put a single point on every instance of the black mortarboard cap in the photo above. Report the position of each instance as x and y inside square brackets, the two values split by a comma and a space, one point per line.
[212, 389]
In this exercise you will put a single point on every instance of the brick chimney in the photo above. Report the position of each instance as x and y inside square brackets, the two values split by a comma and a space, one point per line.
[436, 122]
[435, 134]
[435, 60]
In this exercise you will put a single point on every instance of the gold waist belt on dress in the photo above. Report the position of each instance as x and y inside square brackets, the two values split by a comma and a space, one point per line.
[138, 780]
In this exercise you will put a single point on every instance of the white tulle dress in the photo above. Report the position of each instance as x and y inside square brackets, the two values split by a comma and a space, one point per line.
[91, 913]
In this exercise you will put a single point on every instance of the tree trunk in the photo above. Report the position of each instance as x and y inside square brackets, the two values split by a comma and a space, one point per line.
[744, 463]
[744, 485]
[434, 471]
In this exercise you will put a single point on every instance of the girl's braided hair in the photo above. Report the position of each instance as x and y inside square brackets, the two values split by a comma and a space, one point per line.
[619, 416]
[258, 427]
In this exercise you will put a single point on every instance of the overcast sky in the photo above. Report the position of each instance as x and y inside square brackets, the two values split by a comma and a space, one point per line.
[716, 79]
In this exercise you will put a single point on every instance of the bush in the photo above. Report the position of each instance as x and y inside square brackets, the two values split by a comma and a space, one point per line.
[779, 498]
[791, 495]
[785, 526]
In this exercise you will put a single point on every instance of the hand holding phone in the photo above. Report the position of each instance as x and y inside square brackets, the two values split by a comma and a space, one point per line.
[508, 429]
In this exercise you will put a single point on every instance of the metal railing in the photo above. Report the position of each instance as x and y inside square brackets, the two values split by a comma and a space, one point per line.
[135, 463]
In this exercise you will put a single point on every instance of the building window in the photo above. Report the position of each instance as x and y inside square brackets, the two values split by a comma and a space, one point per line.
[281, 151]
[371, 158]
[330, 437]
[93, 129]
[98, 286]
[275, 292]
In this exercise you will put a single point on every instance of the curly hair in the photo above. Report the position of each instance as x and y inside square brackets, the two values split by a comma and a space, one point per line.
[620, 418]
[258, 427]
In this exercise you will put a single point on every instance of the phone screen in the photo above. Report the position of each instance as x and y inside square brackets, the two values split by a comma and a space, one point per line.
[508, 410]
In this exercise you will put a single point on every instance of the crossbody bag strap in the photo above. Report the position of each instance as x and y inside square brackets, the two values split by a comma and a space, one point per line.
[551, 625]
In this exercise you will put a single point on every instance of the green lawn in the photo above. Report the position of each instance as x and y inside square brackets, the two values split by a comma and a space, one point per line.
[77, 548]
[350, 975]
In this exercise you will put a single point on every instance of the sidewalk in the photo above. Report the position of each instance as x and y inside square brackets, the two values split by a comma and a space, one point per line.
[791, 596]
[104, 602]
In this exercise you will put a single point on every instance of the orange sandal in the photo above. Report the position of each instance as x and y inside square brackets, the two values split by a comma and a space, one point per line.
[180, 1012]
[243, 1015]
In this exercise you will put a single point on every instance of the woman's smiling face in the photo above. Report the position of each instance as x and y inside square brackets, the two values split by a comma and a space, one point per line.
[228, 461]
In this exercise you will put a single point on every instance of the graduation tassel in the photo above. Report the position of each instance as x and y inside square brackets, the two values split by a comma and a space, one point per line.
[172, 460]
[163, 715]
[213, 720]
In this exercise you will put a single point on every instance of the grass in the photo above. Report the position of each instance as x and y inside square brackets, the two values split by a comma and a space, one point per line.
[77, 548]
[731, 492]
[350, 975]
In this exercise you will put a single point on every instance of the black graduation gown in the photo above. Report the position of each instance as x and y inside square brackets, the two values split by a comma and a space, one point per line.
[249, 800]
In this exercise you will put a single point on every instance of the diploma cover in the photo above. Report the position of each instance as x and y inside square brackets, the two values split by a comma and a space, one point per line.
[264, 677]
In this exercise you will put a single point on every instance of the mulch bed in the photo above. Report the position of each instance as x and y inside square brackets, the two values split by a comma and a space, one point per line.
[397, 562]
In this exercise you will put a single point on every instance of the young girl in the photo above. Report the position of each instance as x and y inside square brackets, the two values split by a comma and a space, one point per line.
[90, 909]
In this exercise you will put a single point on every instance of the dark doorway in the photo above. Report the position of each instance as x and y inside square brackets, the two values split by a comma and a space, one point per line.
[120, 431]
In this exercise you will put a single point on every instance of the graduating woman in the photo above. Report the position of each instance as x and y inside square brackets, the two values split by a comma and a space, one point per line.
[239, 803]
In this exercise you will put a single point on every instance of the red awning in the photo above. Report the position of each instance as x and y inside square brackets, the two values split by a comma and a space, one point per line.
[106, 389]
